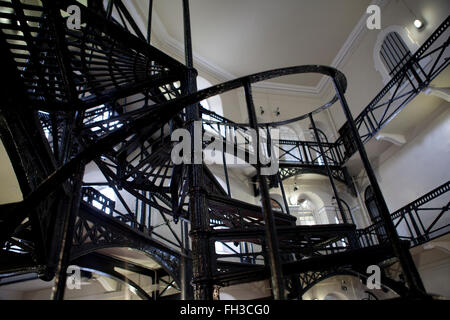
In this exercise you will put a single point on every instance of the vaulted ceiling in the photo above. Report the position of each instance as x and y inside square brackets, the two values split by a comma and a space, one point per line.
[246, 36]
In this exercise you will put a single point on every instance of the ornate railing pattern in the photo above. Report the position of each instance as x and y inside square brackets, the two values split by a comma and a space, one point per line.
[420, 221]
[289, 152]
[115, 77]
[414, 76]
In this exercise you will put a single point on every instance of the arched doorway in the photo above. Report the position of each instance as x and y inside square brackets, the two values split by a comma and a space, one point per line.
[343, 217]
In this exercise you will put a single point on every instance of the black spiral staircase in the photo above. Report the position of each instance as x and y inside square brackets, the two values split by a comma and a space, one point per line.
[103, 96]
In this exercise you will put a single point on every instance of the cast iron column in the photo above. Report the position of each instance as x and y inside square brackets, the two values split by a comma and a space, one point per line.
[329, 173]
[186, 264]
[286, 204]
[67, 236]
[269, 223]
[198, 207]
[149, 21]
[412, 276]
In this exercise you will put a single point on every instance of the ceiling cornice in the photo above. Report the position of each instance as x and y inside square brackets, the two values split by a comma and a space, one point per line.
[355, 36]
[204, 65]
[177, 48]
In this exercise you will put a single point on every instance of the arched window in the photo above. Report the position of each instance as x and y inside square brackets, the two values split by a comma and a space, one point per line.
[393, 49]
[394, 52]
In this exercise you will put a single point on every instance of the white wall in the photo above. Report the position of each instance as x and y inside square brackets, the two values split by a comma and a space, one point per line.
[420, 165]
[9, 187]
[364, 81]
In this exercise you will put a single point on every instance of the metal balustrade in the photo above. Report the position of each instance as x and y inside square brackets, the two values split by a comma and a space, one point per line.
[420, 221]
[412, 77]
[288, 152]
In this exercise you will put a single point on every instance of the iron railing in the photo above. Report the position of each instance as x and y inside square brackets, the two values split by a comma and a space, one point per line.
[420, 221]
[413, 76]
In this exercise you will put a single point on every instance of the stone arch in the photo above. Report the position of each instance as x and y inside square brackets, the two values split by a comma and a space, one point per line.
[288, 132]
[315, 199]
[306, 215]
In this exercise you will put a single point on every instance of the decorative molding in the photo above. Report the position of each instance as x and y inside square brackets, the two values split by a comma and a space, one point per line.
[443, 93]
[175, 46]
[355, 36]
[202, 63]
[267, 85]
[396, 139]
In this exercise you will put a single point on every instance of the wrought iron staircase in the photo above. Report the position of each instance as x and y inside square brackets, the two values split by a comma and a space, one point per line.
[104, 95]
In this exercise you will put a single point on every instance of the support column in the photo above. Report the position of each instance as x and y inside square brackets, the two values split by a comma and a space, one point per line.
[225, 169]
[67, 237]
[187, 35]
[149, 21]
[186, 265]
[329, 173]
[155, 283]
[269, 222]
[198, 209]
[412, 276]
[286, 204]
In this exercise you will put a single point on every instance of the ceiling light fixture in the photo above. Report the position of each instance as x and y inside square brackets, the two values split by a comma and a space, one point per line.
[418, 24]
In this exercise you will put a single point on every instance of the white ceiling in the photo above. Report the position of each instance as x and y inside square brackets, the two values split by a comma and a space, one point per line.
[248, 36]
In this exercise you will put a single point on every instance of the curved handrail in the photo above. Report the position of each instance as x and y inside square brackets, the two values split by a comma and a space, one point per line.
[302, 117]
[267, 75]
[181, 102]
[277, 123]
[166, 111]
